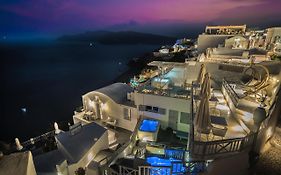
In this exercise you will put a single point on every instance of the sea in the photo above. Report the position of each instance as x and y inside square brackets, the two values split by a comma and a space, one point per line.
[42, 82]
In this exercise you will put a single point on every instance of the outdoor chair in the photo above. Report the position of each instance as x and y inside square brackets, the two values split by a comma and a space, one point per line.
[220, 132]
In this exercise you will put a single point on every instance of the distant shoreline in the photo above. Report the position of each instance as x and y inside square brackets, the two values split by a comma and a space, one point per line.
[117, 38]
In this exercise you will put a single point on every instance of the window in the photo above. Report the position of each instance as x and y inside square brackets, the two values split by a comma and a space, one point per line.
[185, 118]
[127, 114]
[155, 109]
[141, 108]
[152, 109]
[148, 108]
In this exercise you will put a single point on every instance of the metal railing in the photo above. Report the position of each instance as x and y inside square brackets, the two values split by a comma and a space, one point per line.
[176, 168]
[34, 140]
[128, 171]
[212, 148]
[232, 94]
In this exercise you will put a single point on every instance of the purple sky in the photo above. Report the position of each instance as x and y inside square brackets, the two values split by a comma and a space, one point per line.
[69, 16]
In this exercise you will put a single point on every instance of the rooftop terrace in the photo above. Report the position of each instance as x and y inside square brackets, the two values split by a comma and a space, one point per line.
[170, 82]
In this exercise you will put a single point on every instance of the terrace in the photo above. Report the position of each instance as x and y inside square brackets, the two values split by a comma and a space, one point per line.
[225, 126]
[171, 82]
[226, 134]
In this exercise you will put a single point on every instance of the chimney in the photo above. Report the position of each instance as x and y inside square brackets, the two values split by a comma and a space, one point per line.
[56, 126]
[18, 144]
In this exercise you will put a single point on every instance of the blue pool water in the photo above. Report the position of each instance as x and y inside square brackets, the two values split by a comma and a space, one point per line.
[149, 125]
[174, 166]
[156, 161]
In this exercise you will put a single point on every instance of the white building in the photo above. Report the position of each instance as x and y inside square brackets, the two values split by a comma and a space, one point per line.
[165, 97]
[215, 36]
[109, 104]
[17, 164]
[75, 148]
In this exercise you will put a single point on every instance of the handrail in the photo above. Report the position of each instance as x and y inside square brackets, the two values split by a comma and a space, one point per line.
[188, 167]
[210, 148]
[233, 95]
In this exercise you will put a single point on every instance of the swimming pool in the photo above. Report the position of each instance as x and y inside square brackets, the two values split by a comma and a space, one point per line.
[168, 165]
[156, 161]
[149, 125]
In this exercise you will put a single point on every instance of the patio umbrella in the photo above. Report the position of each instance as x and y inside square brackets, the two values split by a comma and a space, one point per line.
[202, 121]
[201, 74]
[206, 86]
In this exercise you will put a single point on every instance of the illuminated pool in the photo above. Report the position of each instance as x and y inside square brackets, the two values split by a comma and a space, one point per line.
[168, 165]
[149, 125]
[156, 161]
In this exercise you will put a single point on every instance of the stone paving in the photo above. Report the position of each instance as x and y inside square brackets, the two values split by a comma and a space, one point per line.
[270, 160]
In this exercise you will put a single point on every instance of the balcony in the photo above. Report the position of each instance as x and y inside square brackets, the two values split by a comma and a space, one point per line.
[226, 137]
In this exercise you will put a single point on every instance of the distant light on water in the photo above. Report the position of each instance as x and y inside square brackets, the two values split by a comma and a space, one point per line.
[24, 110]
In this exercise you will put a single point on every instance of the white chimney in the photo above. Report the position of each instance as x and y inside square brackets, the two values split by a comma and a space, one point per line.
[19, 146]
[56, 126]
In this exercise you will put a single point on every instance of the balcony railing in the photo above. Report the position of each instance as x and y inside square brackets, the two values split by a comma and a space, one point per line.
[178, 168]
[34, 140]
[216, 148]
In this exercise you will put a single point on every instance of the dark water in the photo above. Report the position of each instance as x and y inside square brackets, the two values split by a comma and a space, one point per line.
[48, 79]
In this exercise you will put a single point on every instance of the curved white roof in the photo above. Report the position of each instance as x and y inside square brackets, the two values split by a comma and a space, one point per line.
[117, 91]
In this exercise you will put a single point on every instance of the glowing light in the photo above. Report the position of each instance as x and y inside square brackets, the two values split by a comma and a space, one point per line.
[104, 107]
[275, 79]
[24, 110]
[91, 103]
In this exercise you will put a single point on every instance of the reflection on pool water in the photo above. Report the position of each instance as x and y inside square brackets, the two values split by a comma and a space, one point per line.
[149, 125]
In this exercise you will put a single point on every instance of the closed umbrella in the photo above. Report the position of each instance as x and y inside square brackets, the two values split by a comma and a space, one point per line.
[201, 74]
[206, 86]
[202, 121]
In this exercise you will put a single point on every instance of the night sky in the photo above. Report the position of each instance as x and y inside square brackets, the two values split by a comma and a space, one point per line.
[29, 18]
